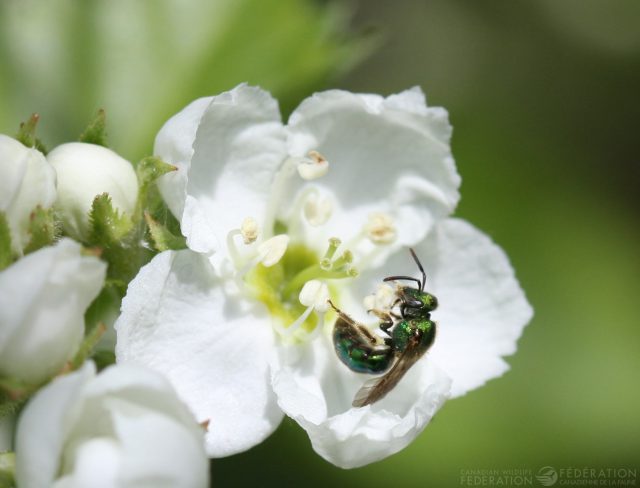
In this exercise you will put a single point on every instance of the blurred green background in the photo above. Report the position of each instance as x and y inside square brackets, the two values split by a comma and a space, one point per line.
[544, 99]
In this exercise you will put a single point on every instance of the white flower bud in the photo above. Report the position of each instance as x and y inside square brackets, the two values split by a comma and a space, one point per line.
[125, 428]
[43, 298]
[85, 171]
[26, 181]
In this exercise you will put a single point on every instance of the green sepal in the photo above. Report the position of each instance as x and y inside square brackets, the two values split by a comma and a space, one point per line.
[162, 238]
[150, 169]
[88, 344]
[27, 134]
[96, 131]
[7, 469]
[13, 392]
[6, 255]
[42, 229]
[108, 227]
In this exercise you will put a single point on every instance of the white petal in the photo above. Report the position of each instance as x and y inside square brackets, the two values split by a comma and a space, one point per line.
[174, 144]
[44, 425]
[239, 144]
[42, 305]
[177, 319]
[396, 149]
[482, 309]
[26, 181]
[316, 390]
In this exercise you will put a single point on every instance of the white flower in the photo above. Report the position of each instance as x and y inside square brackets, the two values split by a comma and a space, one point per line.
[43, 298]
[122, 428]
[26, 182]
[84, 172]
[243, 340]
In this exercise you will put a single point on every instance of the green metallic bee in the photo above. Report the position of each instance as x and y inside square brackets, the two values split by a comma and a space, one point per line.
[409, 335]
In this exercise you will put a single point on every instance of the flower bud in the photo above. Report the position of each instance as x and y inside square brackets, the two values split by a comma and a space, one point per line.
[27, 180]
[85, 171]
[43, 298]
[124, 427]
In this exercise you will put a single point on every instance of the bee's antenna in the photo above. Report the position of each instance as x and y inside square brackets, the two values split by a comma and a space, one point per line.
[409, 278]
[424, 275]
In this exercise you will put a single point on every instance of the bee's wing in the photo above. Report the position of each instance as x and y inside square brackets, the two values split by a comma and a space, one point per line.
[355, 329]
[376, 388]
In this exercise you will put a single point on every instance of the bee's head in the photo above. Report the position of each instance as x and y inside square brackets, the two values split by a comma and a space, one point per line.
[415, 298]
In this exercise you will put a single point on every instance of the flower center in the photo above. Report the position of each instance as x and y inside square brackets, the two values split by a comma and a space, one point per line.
[299, 284]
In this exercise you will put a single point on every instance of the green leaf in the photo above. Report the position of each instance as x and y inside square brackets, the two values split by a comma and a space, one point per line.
[6, 256]
[42, 229]
[107, 226]
[96, 131]
[27, 134]
[163, 239]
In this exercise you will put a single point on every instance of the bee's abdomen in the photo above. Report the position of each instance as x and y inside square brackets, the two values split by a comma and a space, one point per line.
[360, 356]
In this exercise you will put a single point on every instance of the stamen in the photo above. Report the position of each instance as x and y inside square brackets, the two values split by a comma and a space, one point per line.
[313, 166]
[380, 228]
[343, 261]
[231, 247]
[382, 299]
[272, 250]
[309, 336]
[334, 244]
[315, 293]
[249, 230]
[317, 210]
[298, 323]
[277, 191]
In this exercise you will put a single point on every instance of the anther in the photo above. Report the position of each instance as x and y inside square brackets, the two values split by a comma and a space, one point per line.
[317, 210]
[272, 250]
[382, 299]
[380, 228]
[315, 294]
[249, 230]
[313, 166]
